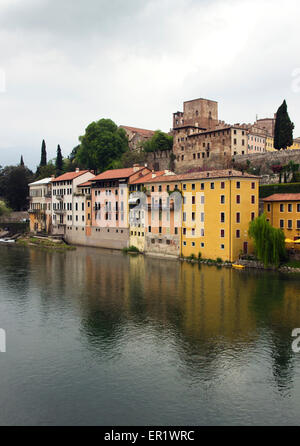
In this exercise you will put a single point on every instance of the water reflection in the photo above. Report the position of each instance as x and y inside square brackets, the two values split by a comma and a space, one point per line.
[220, 327]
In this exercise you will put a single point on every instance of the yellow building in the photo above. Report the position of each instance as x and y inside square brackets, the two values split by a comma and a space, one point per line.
[283, 211]
[217, 209]
[270, 144]
[296, 145]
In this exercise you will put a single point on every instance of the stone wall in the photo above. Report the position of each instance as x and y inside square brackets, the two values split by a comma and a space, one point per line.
[162, 245]
[267, 159]
[161, 160]
[111, 238]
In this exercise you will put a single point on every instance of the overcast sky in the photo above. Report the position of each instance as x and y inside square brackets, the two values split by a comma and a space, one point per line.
[67, 63]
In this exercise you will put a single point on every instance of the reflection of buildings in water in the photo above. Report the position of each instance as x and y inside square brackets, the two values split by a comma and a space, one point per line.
[205, 310]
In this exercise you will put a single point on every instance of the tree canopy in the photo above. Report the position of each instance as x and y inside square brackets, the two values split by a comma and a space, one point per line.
[43, 154]
[283, 136]
[59, 161]
[159, 141]
[269, 242]
[3, 209]
[14, 182]
[102, 144]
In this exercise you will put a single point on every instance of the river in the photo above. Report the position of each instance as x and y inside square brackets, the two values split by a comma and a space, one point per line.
[95, 337]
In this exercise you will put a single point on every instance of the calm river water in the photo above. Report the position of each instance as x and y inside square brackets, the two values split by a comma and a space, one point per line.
[95, 337]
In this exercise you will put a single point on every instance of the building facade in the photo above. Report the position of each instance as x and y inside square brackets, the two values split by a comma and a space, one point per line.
[66, 210]
[40, 214]
[283, 211]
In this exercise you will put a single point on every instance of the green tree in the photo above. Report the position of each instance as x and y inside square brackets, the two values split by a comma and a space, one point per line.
[22, 161]
[101, 145]
[43, 154]
[59, 161]
[4, 210]
[14, 186]
[159, 141]
[46, 171]
[269, 242]
[130, 158]
[284, 127]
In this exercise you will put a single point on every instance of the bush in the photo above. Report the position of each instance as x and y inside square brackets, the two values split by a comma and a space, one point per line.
[219, 260]
[130, 249]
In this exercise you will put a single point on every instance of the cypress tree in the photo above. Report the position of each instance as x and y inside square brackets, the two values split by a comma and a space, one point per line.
[22, 161]
[43, 155]
[59, 161]
[284, 127]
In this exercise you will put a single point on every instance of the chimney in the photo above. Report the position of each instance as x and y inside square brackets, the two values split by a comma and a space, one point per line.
[153, 175]
[77, 170]
[136, 168]
[146, 165]
[52, 177]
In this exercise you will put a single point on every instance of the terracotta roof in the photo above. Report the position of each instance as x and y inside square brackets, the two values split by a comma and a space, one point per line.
[117, 173]
[144, 132]
[70, 175]
[86, 184]
[283, 197]
[147, 177]
[202, 176]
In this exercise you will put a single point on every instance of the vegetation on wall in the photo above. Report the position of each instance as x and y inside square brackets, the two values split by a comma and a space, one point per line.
[269, 242]
[160, 141]
[270, 189]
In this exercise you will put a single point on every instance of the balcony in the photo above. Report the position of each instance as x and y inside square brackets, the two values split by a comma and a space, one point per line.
[59, 197]
[59, 211]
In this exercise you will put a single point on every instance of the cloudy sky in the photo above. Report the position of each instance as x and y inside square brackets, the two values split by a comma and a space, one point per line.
[65, 63]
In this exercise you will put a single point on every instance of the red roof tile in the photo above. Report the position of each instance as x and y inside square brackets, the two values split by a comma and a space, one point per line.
[145, 178]
[117, 173]
[86, 184]
[202, 176]
[283, 197]
[143, 132]
[70, 175]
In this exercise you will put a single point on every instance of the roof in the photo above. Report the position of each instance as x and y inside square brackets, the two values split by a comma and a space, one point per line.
[115, 174]
[148, 177]
[143, 132]
[283, 197]
[207, 175]
[41, 182]
[70, 175]
[86, 184]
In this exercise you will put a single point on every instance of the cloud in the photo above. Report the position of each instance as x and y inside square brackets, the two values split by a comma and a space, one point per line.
[68, 63]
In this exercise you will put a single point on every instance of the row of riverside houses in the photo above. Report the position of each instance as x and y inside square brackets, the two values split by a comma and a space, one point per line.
[160, 213]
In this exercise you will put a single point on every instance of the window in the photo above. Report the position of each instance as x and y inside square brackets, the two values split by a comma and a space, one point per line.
[212, 185]
[202, 199]
[159, 188]
[222, 219]
[290, 224]
[160, 229]
[298, 224]
[222, 185]
[184, 243]
[152, 188]
[193, 244]
[202, 232]
[222, 199]
[222, 246]
[193, 232]
[202, 245]
[238, 185]
[252, 185]
[281, 224]
[176, 231]
[238, 233]
[298, 207]
[253, 199]
[238, 199]
[269, 208]
[184, 187]
[202, 217]
[222, 233]
[193, 186]
[193, 199]
[149, 228]
[202, 187]
[290, 208]
[252, 216]
[193, 216]
[184, 216]
[184, 231]
[282, 208]
[238, 217]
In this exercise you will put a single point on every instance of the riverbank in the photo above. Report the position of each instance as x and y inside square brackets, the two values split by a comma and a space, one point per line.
[45, 243]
